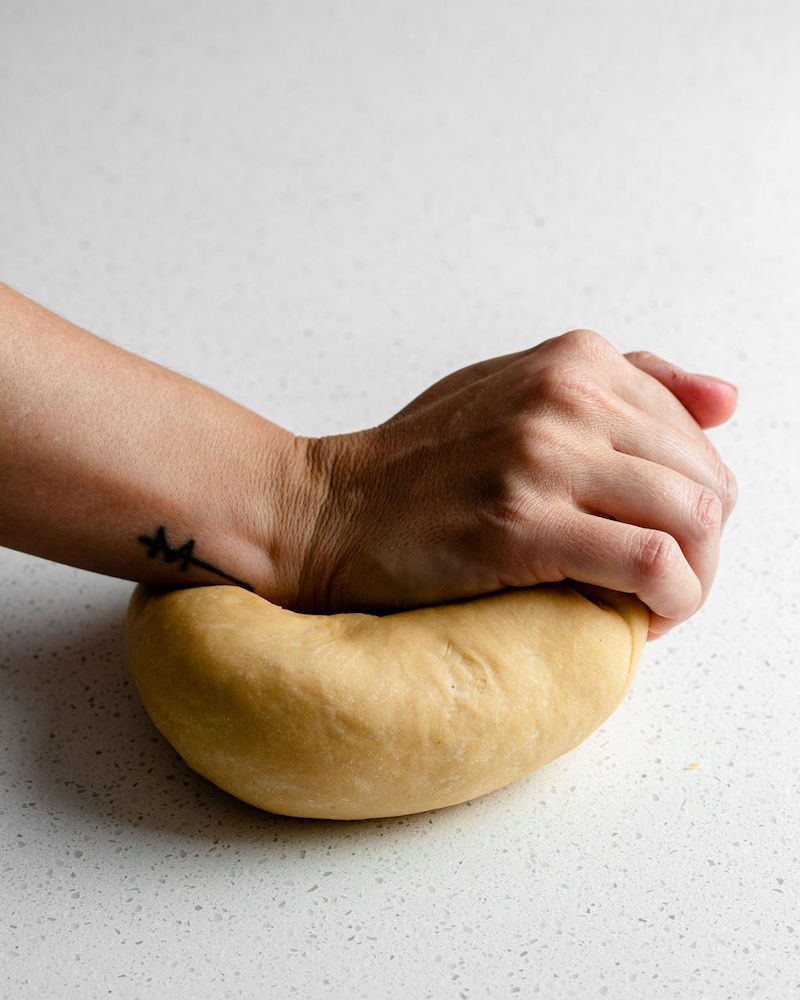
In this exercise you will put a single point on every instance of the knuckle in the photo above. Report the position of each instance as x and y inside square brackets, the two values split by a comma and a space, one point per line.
[655, 554]
[502, 504]
[548, 383]
[537, 456]
[568, 386]
[706, 510]
[579, 342]
[582, 339]
[509, 507]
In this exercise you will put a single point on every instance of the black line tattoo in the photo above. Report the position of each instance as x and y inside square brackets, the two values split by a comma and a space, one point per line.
[158, 545]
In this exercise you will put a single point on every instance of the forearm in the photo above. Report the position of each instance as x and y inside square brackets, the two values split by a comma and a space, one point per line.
[117, 465]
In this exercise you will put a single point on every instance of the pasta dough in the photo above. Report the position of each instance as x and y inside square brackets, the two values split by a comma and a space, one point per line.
[355, 716]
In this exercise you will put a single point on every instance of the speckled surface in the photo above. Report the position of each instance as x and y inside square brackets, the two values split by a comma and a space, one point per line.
[319, 210]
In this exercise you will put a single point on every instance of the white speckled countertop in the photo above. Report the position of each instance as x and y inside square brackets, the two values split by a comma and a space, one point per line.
[319, 209]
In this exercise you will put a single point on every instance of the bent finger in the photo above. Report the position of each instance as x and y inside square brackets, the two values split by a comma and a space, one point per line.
[642, 561]
[649, 495]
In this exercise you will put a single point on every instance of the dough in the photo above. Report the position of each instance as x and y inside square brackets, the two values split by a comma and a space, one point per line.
[355, 716]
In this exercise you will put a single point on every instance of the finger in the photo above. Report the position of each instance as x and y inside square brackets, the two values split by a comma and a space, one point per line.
[710, 401]
[642, 561]
[649, 394]
[649, 495]
[633, 432]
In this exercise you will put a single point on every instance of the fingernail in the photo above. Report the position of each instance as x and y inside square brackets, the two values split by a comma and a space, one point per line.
[722, 380]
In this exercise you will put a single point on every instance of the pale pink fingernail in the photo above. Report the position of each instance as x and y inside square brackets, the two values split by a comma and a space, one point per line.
[722, 380]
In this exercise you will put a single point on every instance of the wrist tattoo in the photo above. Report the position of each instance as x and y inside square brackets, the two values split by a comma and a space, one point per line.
[157, 545]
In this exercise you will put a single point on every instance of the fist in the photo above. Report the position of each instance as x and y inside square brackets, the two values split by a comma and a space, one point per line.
[568, 460]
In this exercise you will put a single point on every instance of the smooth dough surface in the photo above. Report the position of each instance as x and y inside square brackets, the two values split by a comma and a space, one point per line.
[355, 716]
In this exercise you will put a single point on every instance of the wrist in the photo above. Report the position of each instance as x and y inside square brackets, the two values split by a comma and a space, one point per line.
[272, 500]
[334, 508]
[302, 545]
[290, 524]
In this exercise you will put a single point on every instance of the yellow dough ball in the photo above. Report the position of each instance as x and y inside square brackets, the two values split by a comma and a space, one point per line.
[355, 716]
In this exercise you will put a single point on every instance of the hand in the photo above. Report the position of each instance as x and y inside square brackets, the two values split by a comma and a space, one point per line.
[565, 461]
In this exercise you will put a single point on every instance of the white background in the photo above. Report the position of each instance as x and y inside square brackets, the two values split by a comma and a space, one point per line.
[320, 209]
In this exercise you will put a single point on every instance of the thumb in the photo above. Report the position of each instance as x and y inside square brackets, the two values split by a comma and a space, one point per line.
[711, 401]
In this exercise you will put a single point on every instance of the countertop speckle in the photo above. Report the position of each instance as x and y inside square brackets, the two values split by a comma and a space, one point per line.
[319, 210]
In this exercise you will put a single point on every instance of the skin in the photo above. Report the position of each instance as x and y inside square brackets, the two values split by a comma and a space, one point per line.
[100, 447]
[566, 460]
